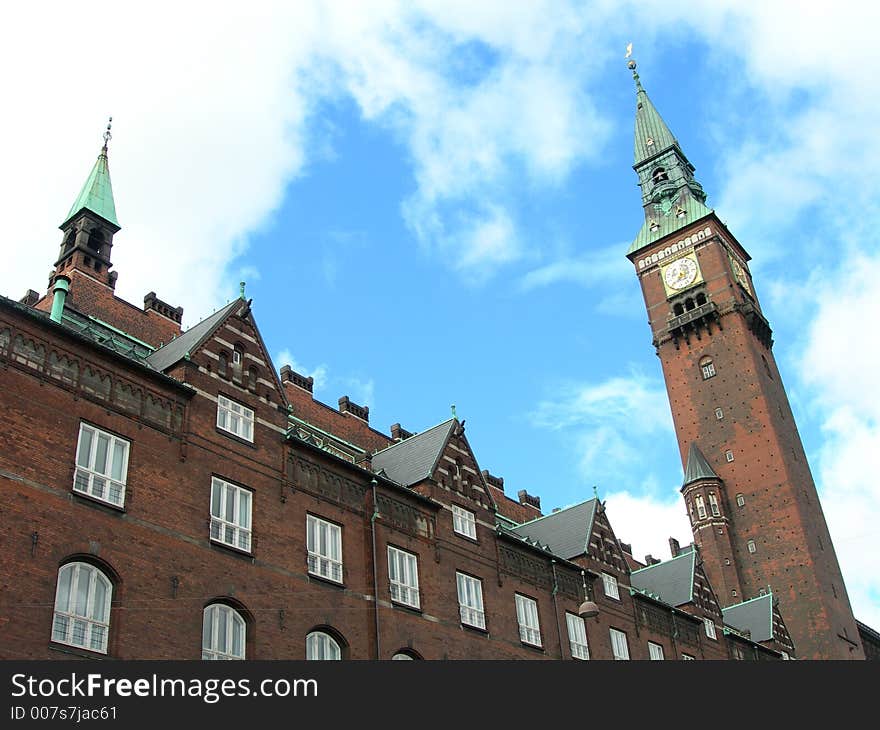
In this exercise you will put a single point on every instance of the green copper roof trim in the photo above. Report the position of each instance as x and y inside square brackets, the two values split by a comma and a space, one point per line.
[121, 332]
[666, 225]
[96, 194]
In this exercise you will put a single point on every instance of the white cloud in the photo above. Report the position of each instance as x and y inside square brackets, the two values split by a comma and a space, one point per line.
[843, 381]
[319, 373]
[646, 523]
[602, 267]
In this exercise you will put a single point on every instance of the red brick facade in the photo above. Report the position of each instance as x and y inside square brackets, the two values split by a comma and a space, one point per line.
[728, 398]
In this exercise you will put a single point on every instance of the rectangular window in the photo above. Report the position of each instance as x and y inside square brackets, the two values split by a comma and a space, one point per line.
[740, 500]
[101, 465]
[618, 645]
[464, 522]
[230, 514]
[403, 575]
[610, 583]
[235, 418]
[324, 544]
[655, 651]
[728, 455]
[527, 616]
[470, 600]
[710, 628]
[713, 505]
[701, 506]
[708, 370]
[751, 546]
[577, 637]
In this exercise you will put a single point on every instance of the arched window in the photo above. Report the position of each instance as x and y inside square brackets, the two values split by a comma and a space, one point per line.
[678, 309]
[223, 365]
[659, 175]
[689, 304]
[701, 299]
[701, 507]
[252, 378]
[224, 633]
[713, 505]
[707, 368]
[406, 655]
[320, 645]
[95, 241]
[82, 607]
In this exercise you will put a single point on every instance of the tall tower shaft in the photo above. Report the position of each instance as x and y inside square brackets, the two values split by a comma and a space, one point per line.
[753, 505]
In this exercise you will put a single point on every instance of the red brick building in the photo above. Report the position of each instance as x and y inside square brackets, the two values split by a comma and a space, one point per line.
[169, 494]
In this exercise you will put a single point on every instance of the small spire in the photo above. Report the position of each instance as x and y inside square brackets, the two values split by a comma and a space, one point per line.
[241, 289]
[453, 410]
[595, 492]
[96, 194]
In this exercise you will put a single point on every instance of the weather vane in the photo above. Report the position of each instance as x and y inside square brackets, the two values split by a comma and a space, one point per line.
[107, 134]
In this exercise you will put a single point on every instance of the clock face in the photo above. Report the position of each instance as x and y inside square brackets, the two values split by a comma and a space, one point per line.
[740, 275]
[681, 273]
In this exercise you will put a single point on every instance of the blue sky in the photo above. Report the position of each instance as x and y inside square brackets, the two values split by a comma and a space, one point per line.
[430, 203]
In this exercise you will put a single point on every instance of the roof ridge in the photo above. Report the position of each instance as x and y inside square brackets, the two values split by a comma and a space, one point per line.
[743, 603]
[410, 438]
[564, 509]
[664, 562]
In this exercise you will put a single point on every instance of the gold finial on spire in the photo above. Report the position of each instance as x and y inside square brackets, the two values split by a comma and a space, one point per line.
[631, 65]
[107, 135]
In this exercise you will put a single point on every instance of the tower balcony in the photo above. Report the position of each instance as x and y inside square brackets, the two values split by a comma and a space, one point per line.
[692, 322]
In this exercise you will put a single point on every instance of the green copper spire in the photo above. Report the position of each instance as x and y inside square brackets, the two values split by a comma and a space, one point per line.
[697, 466]
[652, 134]
[97, 193]
[671, 196]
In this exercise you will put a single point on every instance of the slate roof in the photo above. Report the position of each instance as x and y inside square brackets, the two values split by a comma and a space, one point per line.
[671, 580]
[697, 466]
[415, 458]
[190, 340]
[754, 616]
[566, 532]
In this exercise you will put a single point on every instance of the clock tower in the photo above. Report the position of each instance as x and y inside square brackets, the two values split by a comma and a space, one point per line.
[753, 506]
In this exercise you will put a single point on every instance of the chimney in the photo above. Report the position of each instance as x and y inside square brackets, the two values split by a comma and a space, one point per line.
[527, 499]
[59, 291]
[497, 482]
[151, 301]
[674, 547]
[30, 299]
[288, 375]
[399, 433]
[626, 547]
[346, 405]
[651, 560]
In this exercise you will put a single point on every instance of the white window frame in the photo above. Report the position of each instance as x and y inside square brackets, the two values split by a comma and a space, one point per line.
[740, 500]
[619, 645]
[324, 547]
[235, 418]
[233, 530]
[464, 522]
[527, 618]
[752, 546]
[219, 626]
[470, 600]
[321, 646]
[655, 652]
[81, 617]
[609, 582]
[713, 505]
[577, 637]
[708, 369]
[728, 455]
[710, 628]
[701, 506]
[106, 482]
[688, 658]
[403, 577]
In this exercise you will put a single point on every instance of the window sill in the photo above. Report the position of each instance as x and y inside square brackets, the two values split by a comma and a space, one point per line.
[475, 629]
[466, 537]
[406, 607]
[232, 550]
[234, 436]
[533, 647]
[326, 581]
[76, 651]
[107, 507]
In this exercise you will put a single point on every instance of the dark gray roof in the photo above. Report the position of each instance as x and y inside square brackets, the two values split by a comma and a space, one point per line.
[566, 532]
[414, 459]
[190, 340]
[697, 467]
[672, 580]
[754, 616]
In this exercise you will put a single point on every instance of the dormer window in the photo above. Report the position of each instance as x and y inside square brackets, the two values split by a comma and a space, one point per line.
[654, 226]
